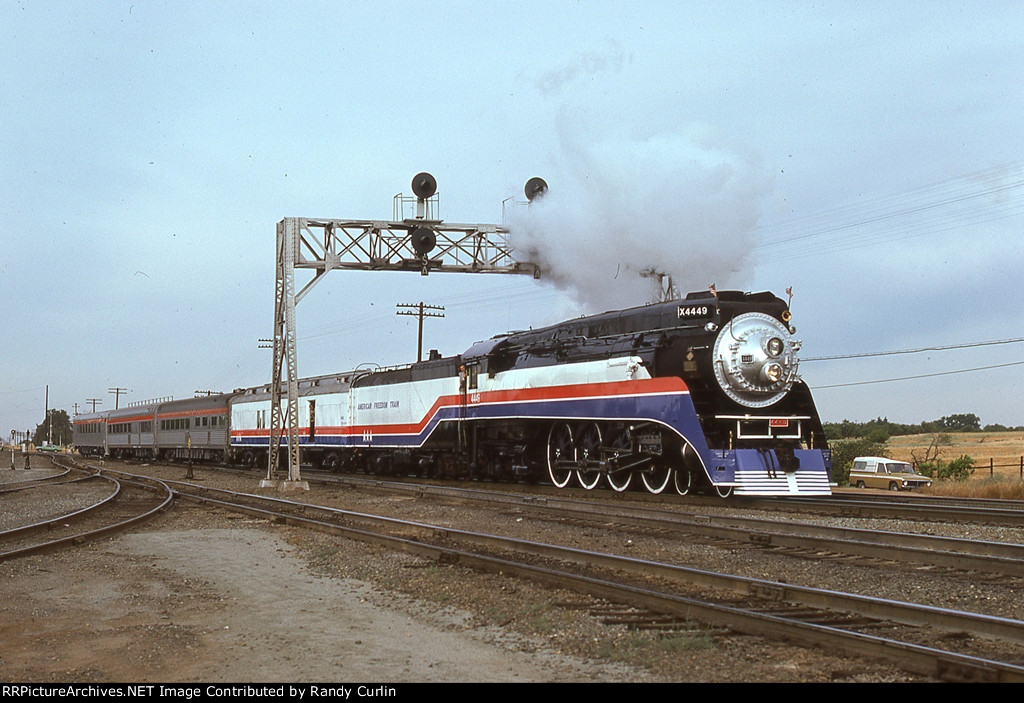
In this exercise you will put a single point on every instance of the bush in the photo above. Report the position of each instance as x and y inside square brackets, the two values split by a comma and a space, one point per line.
[960, 469]
[845, 451]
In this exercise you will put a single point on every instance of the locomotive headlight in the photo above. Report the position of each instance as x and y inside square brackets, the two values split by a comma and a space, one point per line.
[775, 346]
[772, 372]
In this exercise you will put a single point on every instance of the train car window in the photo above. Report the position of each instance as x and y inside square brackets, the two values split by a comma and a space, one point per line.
[471, 376]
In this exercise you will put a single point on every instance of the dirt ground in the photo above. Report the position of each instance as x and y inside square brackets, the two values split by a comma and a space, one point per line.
[200, 595]
[142, 608]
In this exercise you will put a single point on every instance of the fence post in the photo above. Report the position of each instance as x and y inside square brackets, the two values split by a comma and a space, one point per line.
[991, 468]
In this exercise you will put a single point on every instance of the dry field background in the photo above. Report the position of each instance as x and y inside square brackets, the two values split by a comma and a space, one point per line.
[1004, 449]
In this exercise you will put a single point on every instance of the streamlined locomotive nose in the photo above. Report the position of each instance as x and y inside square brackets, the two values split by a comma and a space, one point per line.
[755, 359]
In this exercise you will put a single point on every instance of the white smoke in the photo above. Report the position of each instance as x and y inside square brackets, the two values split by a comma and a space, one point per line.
[673, 203]
[610, 59]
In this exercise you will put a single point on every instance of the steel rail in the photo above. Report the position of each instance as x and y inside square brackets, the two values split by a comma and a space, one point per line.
[999, 558]
[45, 524]
[81, 537]
[44, 481]
[16, 486]
[941, 501]
[847, 507]
[907, 613]
[925, 660]
[952, 552]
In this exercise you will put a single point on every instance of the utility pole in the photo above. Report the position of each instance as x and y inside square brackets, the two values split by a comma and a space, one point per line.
[94, 402]
[412, 311]
[117, 395]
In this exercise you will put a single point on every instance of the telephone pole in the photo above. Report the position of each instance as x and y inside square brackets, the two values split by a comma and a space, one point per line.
[94, 402]
[419, 310]
[117, 395]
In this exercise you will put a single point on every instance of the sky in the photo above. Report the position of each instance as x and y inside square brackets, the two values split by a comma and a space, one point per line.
[866, 155]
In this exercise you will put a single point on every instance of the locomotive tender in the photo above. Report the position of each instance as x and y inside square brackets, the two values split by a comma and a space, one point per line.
[697, 393]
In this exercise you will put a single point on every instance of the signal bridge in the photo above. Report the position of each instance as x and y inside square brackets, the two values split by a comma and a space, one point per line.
[422, 244]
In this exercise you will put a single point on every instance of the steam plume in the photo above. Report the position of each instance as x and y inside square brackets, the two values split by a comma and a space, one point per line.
[673, 203]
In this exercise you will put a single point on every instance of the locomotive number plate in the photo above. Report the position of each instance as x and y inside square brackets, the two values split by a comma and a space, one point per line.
[778, 422]
[692, 311]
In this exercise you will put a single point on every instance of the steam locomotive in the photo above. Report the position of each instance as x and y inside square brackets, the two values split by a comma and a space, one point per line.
[701, 393]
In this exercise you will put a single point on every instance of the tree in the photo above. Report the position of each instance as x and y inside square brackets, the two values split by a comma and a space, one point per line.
[931, 453]
[61, 429]
[963, 422]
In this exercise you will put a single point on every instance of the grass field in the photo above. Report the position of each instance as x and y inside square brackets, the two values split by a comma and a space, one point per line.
[1004, 449]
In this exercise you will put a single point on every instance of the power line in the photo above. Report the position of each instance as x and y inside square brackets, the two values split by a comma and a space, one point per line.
[971, 199]
[914, 351]
[924, 375]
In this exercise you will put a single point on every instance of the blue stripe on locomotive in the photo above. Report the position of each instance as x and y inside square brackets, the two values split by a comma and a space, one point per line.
[674, 410]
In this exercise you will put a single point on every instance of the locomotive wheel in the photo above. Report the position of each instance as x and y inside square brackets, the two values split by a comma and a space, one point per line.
[560, 449]
[683, 480]
[723, 491]
[657, 478]
[588, 453]
[331, 462]
[620, 480]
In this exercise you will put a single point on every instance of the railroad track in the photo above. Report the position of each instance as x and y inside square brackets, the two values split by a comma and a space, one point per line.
[66, 474]
[989, 561]
[124, 504]
[997, 561]
[661, 593]
[906, 507]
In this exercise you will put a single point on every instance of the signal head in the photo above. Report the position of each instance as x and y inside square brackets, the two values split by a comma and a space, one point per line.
[424, 185]
[535, 187]
[423, 240]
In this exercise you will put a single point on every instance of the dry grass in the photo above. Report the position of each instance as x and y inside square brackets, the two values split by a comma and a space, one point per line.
[997, 487]
[1003, 449]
